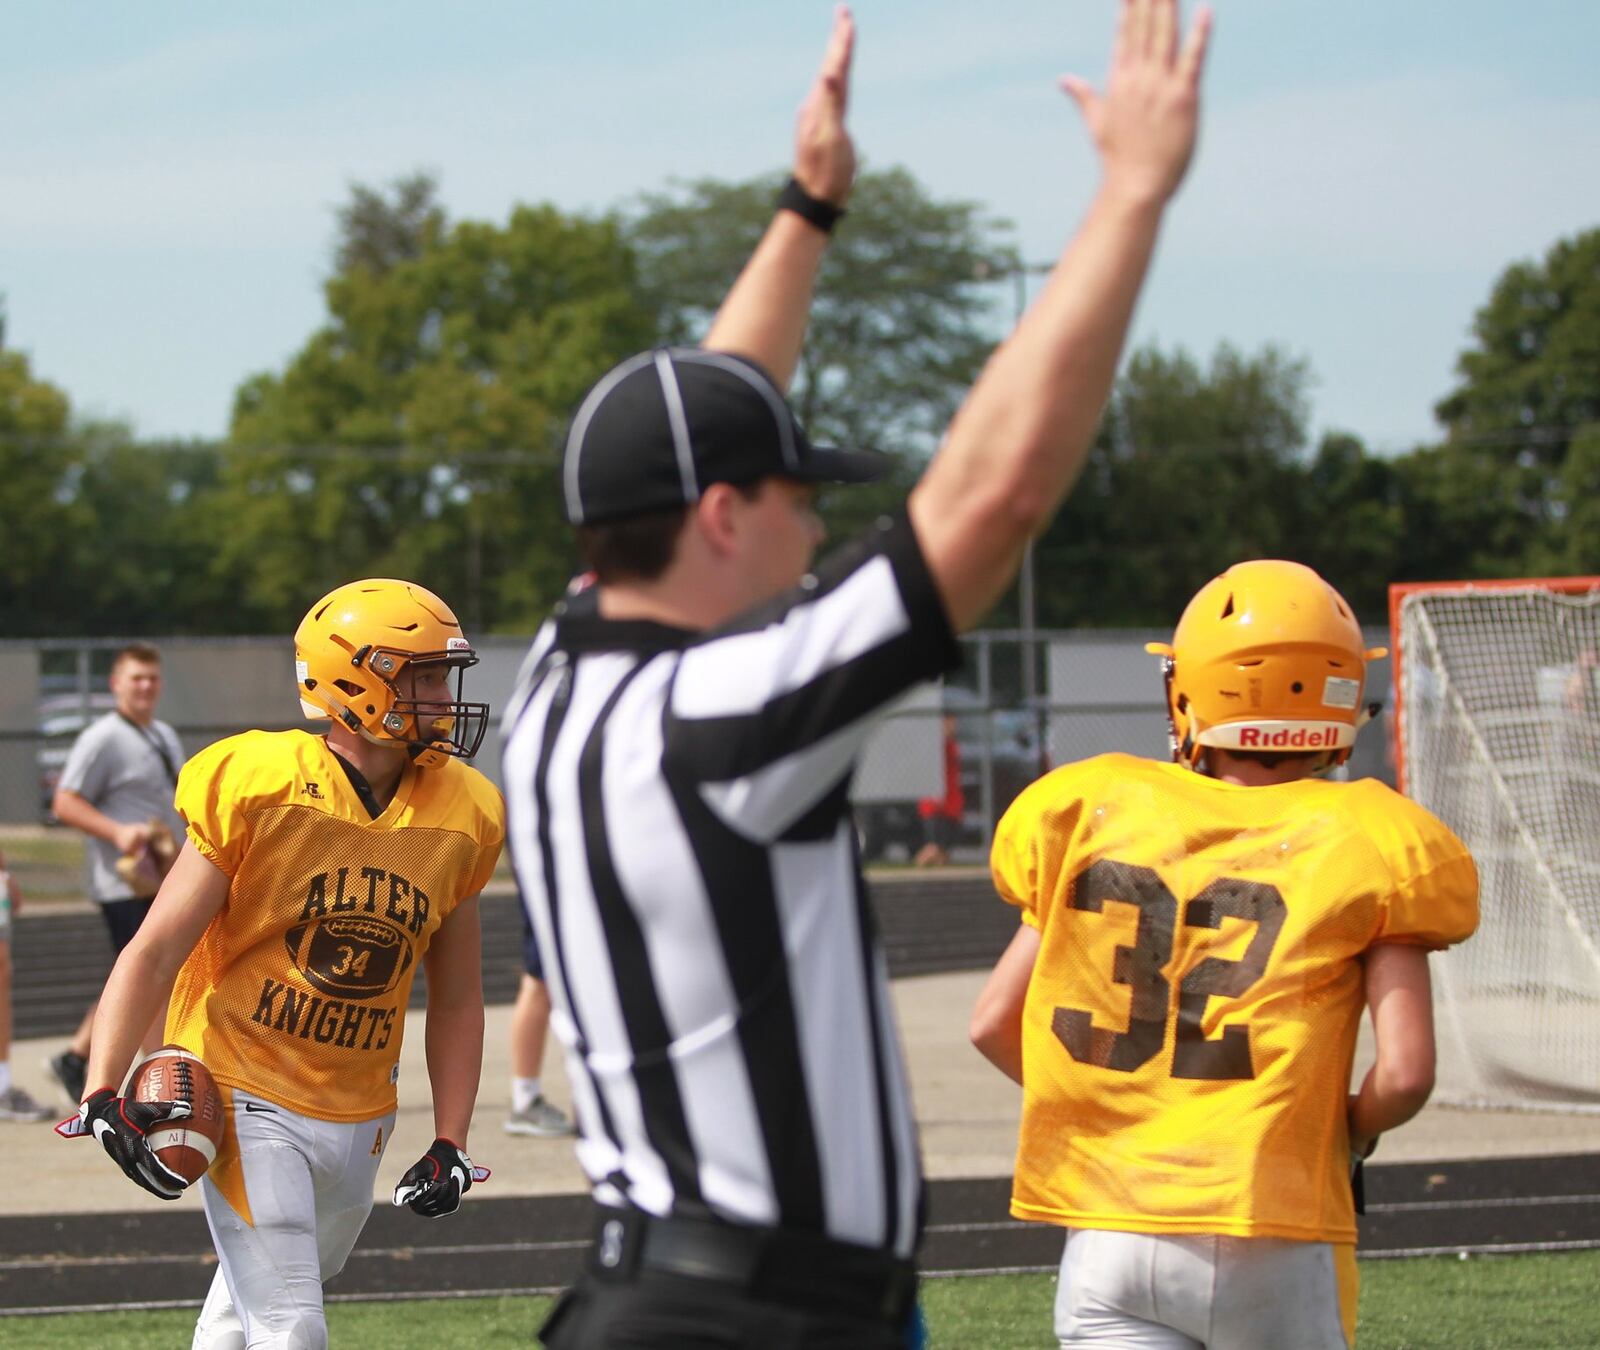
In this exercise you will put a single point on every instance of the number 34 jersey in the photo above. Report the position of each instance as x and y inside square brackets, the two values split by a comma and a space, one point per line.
[297, 990]
[1190, 1024]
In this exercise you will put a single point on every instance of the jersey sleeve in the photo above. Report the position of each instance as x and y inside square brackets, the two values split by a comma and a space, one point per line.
[1032, 841]
[1433, 901]
[769, 711]
[491, 838]
[212, 802]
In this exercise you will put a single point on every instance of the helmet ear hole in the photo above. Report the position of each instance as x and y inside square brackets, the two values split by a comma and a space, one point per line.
[1227, 609]
[349, 687]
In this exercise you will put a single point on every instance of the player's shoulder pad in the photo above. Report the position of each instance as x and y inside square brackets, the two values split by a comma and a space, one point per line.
[461, 785]
[1392, 820]
[248, 764]
[1058, 792]
[1435, 878]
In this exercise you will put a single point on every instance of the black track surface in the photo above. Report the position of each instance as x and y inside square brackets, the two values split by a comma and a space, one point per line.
[157, 1258]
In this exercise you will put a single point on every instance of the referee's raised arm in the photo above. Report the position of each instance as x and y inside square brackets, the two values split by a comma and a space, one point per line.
[1020, 439]
[765, 313]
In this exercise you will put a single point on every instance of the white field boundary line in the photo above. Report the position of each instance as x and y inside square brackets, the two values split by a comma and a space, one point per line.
[490, 1248]
[208, 1258]
[1495, 1202]
[419, 1295]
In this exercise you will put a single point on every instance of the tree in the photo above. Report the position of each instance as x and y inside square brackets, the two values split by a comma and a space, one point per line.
[417, 433]
[378, 233]
[1191, 471]
[902, 319]
[1353, 526]
[1532, 376]
[152, 561]
[39, 466]
[1528, 399]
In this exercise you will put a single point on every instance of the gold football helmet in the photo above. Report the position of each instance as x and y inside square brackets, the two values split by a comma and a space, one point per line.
[1267, 657]
[351, 655]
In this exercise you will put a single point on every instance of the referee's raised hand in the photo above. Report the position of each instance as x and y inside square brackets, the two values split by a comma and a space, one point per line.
[1144, 123]
[824, 156]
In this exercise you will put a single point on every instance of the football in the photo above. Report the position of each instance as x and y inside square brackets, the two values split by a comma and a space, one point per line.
[174, 1074]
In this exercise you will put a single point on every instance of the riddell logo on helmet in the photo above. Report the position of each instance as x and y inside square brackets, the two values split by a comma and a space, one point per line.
[1289, 738]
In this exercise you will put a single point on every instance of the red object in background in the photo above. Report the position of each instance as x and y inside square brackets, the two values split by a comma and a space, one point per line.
[953, 805]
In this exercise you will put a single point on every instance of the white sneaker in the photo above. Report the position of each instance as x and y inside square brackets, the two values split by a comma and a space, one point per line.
[16, 1104]
[539, 1119]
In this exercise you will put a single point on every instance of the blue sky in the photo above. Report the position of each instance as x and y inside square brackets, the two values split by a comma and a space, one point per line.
[169, 173]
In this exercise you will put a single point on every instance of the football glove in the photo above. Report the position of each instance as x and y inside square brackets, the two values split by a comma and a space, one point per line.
[434, 1184]
[120, 1124]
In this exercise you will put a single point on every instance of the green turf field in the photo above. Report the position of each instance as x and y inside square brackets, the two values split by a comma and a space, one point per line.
[1487, 1303]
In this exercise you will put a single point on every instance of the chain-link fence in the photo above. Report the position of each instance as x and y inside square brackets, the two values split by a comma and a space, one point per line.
[943, 765]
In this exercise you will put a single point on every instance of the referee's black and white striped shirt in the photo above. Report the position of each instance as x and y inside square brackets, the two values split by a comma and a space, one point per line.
[683, 842]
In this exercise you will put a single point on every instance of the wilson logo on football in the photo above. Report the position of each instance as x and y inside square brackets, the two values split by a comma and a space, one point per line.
[351, 956]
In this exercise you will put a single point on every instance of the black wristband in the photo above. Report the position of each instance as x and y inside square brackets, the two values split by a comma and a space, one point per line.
[813, 210]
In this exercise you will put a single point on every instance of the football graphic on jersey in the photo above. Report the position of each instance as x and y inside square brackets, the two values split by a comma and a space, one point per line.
[350, 956]
[173, 1074]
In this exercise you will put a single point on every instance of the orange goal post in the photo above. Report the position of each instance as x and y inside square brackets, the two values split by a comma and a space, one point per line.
[1497, 732]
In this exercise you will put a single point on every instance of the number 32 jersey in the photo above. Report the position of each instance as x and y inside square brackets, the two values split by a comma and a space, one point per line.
[1190, 1024]
[297, 990]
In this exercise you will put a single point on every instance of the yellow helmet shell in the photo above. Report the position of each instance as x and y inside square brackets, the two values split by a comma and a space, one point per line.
[350, 649]
[1267, 657]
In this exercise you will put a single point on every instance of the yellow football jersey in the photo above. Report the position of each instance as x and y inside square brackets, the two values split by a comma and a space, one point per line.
[1191, 1021]
[297, 990]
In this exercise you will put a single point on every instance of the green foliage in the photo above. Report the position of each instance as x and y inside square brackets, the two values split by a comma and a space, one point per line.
[377, 233]
[1493, 1303]
[902, 320]
[1192, 470]
[39, 469]
[1532, 376]
[1512, 487]
[417, 433]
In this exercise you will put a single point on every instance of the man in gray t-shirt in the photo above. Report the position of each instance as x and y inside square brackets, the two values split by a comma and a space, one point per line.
[116, 787]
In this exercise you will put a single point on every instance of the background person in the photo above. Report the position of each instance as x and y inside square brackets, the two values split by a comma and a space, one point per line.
[942, 815]
[319, 873]
[1181, 1001]
[678, 758]
[531, 1114]
[116, 788]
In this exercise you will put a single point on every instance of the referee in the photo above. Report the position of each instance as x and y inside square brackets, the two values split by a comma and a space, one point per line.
[680, 745]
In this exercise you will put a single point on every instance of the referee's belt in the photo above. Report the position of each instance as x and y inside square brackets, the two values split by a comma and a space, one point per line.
[780, 1265]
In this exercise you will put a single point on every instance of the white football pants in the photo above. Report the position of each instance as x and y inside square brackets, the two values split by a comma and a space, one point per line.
[1147, 1291]
[308, 1187]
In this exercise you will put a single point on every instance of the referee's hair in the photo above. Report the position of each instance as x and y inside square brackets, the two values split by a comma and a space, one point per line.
[639, 547]
[634, 548]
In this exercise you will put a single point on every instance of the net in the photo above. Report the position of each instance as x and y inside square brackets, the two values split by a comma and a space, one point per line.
[1498, 734]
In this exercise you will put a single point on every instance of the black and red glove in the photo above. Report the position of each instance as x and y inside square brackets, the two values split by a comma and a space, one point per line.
[120, 1125]
[434, 1184]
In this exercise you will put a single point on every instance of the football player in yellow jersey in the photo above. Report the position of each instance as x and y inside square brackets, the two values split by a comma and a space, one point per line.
[1181, 1001]
[318, 873]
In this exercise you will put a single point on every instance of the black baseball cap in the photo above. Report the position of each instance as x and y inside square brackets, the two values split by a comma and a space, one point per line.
[665, 424]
